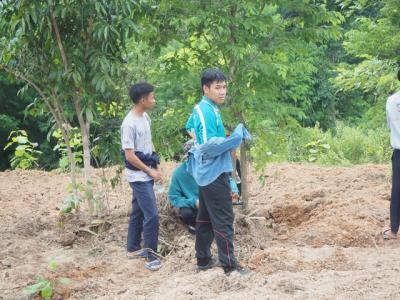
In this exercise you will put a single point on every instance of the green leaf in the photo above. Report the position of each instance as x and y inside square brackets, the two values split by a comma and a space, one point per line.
[77, 78]
[311, 144]
[8, 145]
[34, 15]
[19, 153]
[53, 265]
[22, 139]
[34, 288]
[105, 32]
[47, 291]
[326, 146]
[63, 163]
[25, 164]
[261, 179]
[23, 147]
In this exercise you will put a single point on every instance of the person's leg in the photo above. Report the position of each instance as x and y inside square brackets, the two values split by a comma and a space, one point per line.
[135, 226]
[395, 197]
[204, 233]
[239, 173]
[220, 209]
[146, 199]
[238, 168]
[188, 215]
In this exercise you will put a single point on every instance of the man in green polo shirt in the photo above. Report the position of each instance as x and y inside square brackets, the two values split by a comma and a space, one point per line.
[207, 122]
[215, 215]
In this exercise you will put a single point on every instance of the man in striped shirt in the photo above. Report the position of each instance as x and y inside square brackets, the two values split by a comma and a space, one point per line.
[393, 120]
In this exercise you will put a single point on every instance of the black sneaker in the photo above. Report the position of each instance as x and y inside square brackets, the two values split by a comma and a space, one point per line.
[236, 270]
[238, 202]
[213, 262]
[191, 229]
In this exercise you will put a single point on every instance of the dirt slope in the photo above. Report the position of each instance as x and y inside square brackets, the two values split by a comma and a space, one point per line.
[311, 233]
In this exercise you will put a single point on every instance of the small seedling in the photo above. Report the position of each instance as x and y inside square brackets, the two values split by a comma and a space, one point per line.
[45, 286]
[75, 144]
[69, 204]
[316, 148]
[61, 225]
[25, 155]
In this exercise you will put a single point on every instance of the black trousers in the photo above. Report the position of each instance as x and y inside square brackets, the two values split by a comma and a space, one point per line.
[215, 219]
[188, 215]
[395, 198]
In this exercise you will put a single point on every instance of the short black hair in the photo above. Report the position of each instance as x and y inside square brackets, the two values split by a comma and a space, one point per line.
[139, 90]
[211, 75]
[185, 133]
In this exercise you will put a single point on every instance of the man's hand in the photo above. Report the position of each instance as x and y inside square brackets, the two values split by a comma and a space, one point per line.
[234, 196]
[157, 176]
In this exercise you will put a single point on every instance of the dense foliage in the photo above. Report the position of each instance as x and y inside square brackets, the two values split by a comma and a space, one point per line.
[309, 78]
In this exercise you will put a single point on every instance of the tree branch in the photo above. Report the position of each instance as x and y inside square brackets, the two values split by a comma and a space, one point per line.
[33, 85]
[60, 110]
[55, 110]
[58, 37]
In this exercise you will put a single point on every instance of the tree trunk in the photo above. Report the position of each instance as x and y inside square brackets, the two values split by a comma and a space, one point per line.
[243, 164]
[86, 153]
[64, 126]
[87, 169]
[72, 163]
[66, 134]
[232, 72]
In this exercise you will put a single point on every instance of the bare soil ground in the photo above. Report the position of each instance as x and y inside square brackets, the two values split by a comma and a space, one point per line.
[311, 233]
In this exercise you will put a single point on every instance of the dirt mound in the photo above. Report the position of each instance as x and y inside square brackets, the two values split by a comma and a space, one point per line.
[310, 232]
[325, 206]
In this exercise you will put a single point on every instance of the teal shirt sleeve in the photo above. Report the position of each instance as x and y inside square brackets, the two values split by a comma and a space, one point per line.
[189, 124]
